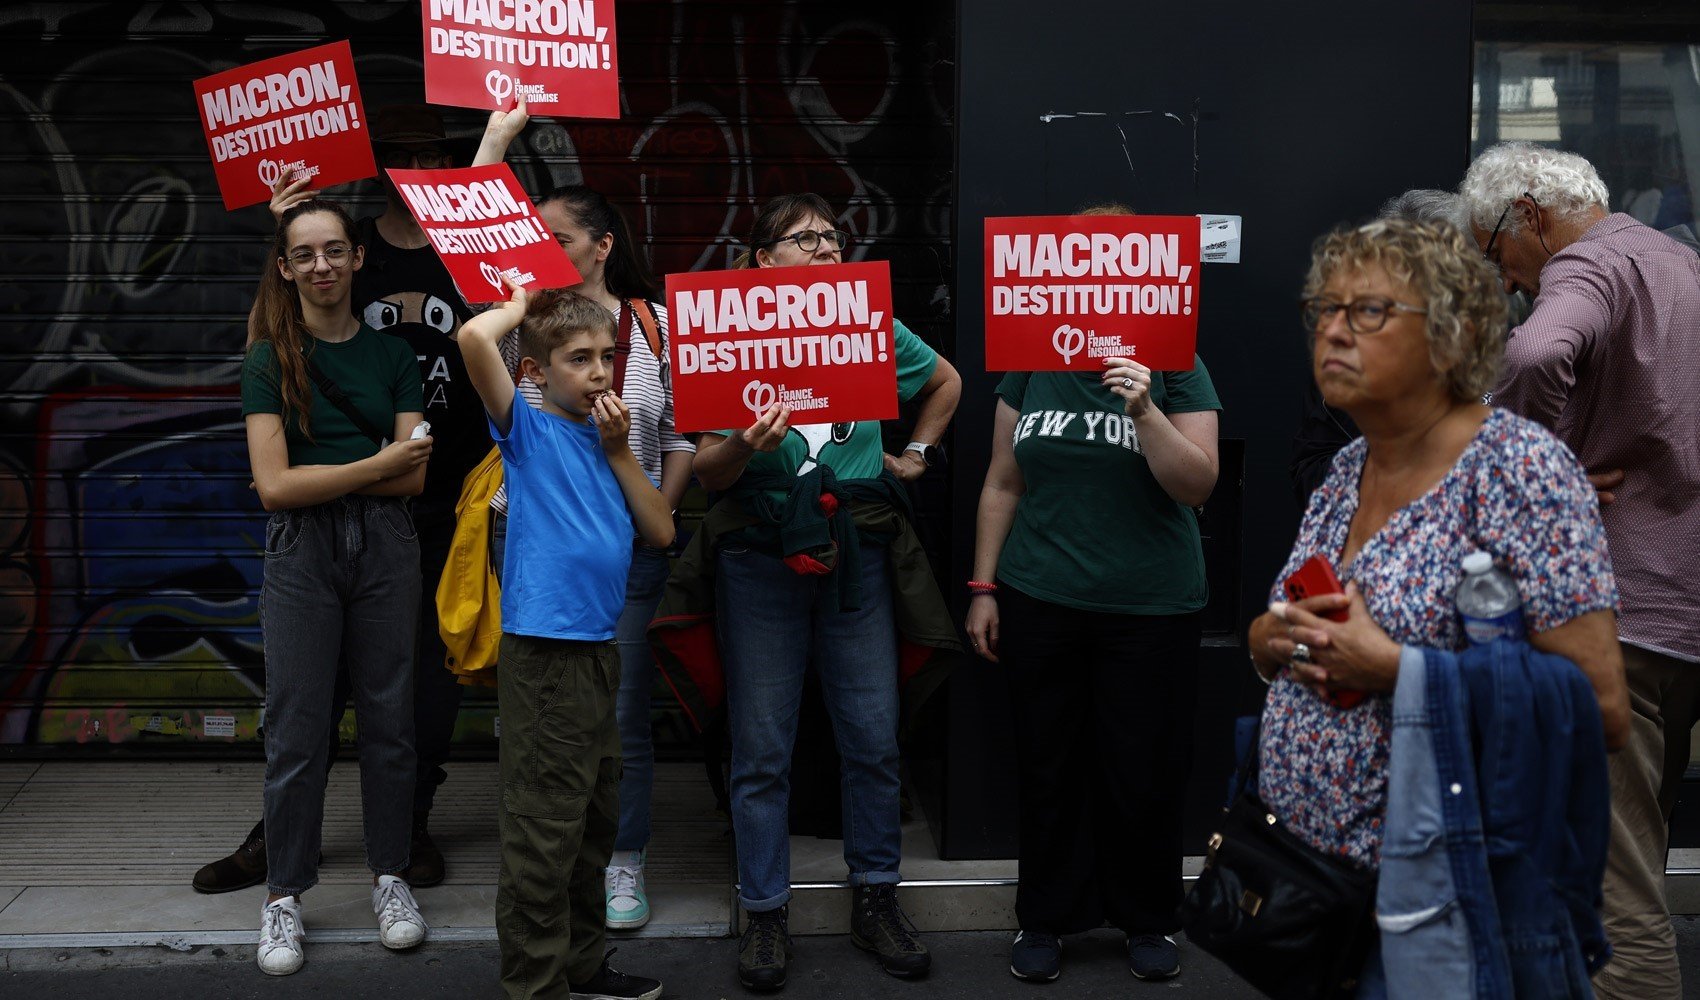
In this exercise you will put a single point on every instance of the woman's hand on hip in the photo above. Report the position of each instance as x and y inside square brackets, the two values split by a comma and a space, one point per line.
[1353, 655]
[982, 625]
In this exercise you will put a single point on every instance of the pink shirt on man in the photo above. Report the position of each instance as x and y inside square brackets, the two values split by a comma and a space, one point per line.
[1609, 359]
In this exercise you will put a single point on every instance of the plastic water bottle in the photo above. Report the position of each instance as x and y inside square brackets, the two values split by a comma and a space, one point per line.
[1488, 602]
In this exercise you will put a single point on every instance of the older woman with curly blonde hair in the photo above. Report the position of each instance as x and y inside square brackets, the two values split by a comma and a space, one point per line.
[1407, 331]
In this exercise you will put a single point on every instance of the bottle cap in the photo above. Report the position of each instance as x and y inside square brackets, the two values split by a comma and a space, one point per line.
[1478, 562]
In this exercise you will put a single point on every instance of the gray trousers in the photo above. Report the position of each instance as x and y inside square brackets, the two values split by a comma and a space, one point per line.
[341, 585]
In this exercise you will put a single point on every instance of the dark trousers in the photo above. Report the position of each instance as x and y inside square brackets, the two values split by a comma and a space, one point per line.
[1103, 726]
[436, 692]
[560, 762]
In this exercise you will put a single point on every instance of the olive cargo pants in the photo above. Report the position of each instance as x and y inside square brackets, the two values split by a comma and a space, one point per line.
[560, 765]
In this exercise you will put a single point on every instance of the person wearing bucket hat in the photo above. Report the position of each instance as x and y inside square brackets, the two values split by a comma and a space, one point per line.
[403, 290]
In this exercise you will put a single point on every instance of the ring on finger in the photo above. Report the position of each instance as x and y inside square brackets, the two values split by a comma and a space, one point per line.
[1301, 653]
[1127, 383]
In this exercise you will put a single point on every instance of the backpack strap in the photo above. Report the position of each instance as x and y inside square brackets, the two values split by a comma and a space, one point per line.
[651, 327]
[339, 399]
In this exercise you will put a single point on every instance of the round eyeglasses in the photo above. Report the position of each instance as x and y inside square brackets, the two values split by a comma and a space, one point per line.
[1366, 315]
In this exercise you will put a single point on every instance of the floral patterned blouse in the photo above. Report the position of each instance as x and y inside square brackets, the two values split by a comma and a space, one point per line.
[1517, 493]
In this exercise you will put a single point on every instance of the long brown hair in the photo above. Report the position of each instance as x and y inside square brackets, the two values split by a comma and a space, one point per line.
[779, 215]
[278, 319]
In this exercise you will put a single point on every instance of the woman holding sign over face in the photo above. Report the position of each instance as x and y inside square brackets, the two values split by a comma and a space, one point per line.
[777, 611]
[1088, 583]
[323, 397]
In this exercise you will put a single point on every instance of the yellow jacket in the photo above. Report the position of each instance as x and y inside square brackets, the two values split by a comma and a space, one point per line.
[469, 600]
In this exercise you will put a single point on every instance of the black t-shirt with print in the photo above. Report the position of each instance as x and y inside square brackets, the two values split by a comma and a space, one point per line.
[408, 294]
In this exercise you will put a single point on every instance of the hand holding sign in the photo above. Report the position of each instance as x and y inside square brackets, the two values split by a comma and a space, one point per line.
[1131, 381]
[773, 422]
[289, 191]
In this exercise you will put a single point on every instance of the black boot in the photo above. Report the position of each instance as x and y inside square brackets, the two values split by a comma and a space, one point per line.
[240, 870]
[426, 868]
[877, 924]
[764, 954]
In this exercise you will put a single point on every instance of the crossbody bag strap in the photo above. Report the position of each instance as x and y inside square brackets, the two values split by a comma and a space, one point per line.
[339, 399]
[622, 347]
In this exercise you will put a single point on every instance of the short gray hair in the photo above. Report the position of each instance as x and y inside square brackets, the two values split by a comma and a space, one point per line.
[1427, 205]
[1563, 183]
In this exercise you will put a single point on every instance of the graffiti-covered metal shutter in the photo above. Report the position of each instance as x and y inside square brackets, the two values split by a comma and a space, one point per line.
[129, 538]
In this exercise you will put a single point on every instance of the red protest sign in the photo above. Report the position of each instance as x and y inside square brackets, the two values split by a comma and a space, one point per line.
[817, 338]
[1067, 291]
[295, 114]
[483, 227]
[558, 55]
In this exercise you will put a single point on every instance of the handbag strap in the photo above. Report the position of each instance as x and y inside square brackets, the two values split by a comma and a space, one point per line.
[339, 399]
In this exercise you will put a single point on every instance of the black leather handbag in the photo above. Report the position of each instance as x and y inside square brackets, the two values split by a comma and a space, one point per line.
[1288, 919]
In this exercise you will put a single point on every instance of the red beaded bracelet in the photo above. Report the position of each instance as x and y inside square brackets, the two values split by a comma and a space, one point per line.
[982, 587]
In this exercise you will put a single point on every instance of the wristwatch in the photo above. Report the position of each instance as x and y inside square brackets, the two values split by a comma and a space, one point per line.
[931, 454]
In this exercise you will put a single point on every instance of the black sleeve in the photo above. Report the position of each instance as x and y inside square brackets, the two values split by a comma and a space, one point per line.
[1322, 433]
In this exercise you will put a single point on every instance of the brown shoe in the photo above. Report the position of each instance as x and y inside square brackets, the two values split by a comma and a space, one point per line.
[427, 869]
[240, 870]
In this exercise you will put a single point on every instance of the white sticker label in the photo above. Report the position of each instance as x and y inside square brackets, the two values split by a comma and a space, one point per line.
[498, 727]
[1219, 239]
[219, 725]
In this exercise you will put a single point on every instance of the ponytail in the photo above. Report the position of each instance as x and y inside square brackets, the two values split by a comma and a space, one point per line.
[625, 275]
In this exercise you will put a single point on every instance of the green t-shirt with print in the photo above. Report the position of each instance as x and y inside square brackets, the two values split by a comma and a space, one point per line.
[851, 451]
[1094, 530]
[377, 372]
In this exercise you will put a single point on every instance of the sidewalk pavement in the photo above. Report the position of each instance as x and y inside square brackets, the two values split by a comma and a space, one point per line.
[966, 966]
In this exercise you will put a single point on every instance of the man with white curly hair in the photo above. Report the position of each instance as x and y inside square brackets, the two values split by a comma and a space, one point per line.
[1609, 358]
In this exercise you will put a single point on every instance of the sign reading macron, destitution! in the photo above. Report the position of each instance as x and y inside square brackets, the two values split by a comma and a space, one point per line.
[297, 115]
[1067, 291]
[559, 56]
[816, 338]
[483, 228]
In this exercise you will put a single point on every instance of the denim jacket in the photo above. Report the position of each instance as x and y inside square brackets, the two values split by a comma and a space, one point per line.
[1498, 816]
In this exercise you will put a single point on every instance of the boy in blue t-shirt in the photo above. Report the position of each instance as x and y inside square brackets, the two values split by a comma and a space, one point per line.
[575, 494]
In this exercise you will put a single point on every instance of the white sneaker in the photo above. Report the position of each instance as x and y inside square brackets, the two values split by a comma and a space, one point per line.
[399, 922]
[625, 896]
[282, 938]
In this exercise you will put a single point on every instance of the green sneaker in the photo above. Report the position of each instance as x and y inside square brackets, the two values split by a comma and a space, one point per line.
[627, 901]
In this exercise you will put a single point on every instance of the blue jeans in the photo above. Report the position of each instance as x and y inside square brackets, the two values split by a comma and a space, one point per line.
[637, 679]
[773, 624]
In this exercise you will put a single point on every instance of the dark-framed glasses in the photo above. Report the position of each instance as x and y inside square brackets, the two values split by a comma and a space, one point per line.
[1366, 315]
[1493, 237]
[809, 241]
[304, 261]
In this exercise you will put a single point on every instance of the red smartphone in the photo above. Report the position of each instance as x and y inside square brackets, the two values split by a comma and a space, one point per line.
[1313, 579]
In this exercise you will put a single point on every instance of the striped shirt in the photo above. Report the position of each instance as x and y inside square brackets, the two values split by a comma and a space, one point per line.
[1610, 360]
[648, 394]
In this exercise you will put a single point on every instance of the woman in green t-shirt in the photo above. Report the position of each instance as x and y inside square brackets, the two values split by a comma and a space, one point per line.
[1088, 583]
[321, 392]
[777, 615]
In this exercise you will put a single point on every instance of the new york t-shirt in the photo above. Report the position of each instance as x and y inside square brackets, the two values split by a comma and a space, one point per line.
[1094, 529]
[569, 531]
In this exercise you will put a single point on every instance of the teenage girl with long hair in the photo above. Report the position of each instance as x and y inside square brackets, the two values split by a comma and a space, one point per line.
[323, 395]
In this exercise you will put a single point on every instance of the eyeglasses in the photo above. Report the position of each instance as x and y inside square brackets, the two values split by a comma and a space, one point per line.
[1493, 237]
[1362, 315]
[808, 240]
[425, 159]
[303, 261]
